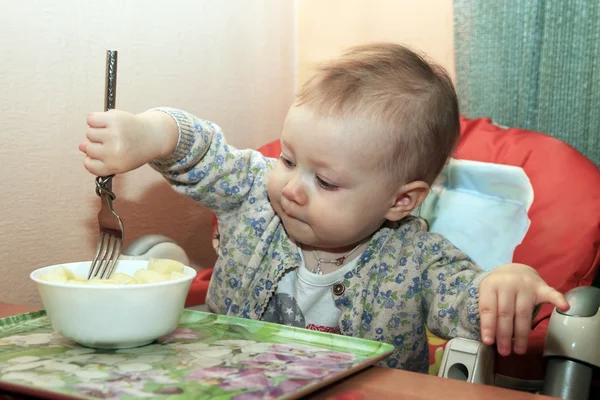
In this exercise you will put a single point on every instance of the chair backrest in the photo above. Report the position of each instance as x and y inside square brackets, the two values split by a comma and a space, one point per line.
[563, 240]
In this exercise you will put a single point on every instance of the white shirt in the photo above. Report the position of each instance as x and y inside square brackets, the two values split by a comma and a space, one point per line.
[305, 299]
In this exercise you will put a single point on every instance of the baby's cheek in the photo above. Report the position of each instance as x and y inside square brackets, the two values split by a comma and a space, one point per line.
[274, 186]
[330, 217]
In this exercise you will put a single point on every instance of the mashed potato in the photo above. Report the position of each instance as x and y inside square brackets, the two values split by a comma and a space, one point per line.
[159, 270]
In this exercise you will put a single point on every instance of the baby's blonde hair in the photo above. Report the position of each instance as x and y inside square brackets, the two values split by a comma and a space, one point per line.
[399, 93]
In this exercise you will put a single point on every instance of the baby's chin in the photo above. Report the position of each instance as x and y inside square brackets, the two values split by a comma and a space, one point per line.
[298, 232]
[301, 233]
[306, 240]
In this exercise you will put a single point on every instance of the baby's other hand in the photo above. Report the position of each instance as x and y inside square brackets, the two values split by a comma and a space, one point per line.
[119, 141]
[507, 298]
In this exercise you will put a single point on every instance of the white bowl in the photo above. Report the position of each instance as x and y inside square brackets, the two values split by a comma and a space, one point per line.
[113, 316]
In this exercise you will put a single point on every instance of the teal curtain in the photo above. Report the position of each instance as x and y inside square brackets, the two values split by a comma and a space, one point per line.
[533, 64]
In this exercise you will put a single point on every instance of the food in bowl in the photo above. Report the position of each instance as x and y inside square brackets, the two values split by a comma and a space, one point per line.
[158, 270]
[113, 315]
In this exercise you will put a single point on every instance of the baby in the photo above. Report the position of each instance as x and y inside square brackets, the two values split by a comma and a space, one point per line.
[322, 237]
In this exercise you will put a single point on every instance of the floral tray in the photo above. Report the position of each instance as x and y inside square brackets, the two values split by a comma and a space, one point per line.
[207, 357]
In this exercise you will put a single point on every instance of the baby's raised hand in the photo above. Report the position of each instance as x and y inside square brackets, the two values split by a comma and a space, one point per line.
[118, 141]
[507, 298]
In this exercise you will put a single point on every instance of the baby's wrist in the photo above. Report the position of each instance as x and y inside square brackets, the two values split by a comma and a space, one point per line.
[162, 130]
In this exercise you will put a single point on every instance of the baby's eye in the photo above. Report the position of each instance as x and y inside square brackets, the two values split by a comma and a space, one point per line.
[326, 185]
[287, 162]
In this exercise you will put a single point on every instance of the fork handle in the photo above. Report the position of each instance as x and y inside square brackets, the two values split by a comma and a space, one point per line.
[110, 95]
[110, 87]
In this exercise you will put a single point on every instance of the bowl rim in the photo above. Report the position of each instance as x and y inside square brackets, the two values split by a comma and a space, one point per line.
[189, 271]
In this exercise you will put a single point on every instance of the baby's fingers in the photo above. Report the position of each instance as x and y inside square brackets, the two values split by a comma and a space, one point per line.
[546, 294]
[506, 320]
[95, 166]
[97, 134]
[522, 324]
[97, 120]
[95, 150]
[488, 308]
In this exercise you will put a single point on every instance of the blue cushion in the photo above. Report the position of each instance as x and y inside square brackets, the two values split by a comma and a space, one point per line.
[481, 208]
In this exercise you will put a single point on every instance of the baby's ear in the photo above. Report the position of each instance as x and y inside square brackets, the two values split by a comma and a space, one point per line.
[409, 197]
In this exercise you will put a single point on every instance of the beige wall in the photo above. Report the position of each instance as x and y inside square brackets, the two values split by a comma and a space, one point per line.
[230, 61]
[326, 28]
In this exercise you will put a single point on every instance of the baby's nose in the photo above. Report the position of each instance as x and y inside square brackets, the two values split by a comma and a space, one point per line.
[294, 191]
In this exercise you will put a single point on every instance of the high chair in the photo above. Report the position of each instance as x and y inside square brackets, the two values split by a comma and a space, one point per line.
[562, 243]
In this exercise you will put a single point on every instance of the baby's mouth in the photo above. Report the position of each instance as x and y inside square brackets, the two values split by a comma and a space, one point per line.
[288, 214]
[285, 210]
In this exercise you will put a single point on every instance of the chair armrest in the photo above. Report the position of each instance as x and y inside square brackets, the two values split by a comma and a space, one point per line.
[468, 360]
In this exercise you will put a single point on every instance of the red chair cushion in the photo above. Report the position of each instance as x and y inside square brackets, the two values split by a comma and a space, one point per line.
[271, 149]
[563, 239]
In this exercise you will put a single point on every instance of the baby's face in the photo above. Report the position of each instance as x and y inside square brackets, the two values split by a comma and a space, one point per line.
[328, 187]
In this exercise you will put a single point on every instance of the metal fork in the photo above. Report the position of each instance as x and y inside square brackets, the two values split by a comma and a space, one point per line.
[110, 224]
